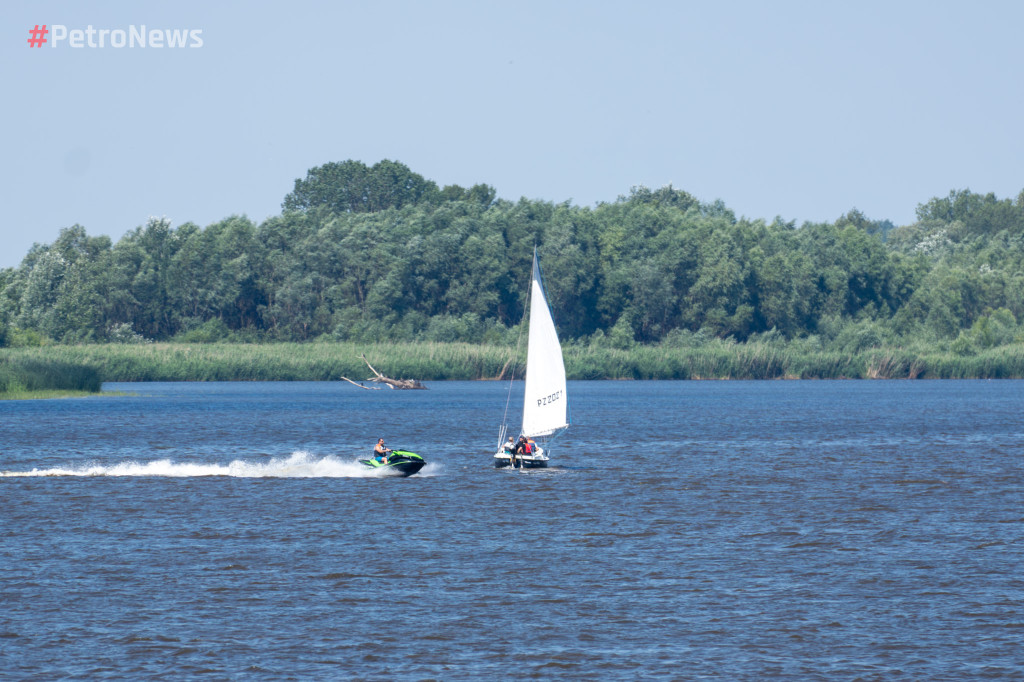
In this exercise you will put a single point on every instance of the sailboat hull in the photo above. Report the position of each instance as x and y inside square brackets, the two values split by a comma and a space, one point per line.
[503, 461]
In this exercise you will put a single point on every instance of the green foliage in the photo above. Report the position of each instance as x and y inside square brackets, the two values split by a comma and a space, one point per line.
[20, 375]
[861, 222]
[621, 335]
[210, 331]
[697, 358]
[978, 214]
[26, 338]
[123, 333]
[354, 187]
[988, 331]
[378, 253]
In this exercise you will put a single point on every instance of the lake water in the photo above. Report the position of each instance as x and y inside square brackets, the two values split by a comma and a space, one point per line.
[731, 530]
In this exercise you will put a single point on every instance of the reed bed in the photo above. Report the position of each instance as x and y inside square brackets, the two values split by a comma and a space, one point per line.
[73, 366]
[31, 377]
[278, 362]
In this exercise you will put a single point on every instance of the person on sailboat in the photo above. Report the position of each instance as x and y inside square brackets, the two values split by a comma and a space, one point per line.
[510, 449]
[523, 446]
[380, 452]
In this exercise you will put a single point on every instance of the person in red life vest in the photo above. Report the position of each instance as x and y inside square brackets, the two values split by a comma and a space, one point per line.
[525, 446]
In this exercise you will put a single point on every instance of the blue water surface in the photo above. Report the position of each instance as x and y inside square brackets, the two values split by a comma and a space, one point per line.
[727, 530]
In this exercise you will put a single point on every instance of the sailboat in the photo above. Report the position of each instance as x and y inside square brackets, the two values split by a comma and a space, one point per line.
[545, 401]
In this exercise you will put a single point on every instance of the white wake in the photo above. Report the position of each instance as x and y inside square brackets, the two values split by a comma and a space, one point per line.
[297, 465]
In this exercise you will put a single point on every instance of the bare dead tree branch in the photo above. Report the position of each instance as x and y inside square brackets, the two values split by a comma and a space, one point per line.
[401, 384]
[368, 388]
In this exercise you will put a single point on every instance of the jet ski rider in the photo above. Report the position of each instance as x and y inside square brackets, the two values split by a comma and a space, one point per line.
[380, 453]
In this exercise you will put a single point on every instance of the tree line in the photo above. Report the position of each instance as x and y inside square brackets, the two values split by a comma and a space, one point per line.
[362, 253]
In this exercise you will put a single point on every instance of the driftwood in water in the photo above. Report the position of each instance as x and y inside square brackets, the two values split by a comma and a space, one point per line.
[368, 388]
[379, 378]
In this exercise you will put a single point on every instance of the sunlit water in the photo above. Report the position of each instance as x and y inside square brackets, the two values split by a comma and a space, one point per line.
[733, 530]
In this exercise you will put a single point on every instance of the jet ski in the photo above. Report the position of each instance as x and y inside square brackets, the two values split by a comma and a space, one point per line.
[400, 463]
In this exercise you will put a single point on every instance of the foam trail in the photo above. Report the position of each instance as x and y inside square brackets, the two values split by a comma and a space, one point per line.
[297, 465]
[430, 469]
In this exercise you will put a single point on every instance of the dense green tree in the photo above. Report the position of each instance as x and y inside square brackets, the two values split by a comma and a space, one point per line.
[353, 187]
[372, 252]
[59, 289]
[979, 214]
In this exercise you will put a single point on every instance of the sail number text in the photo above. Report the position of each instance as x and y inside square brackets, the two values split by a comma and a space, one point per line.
[548, 399]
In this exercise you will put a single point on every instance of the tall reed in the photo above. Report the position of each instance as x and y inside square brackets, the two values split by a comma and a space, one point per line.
[21, 375]
[326, 361]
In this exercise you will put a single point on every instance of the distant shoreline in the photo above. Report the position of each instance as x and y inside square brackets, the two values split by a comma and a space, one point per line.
[329, 361]
[44, 395]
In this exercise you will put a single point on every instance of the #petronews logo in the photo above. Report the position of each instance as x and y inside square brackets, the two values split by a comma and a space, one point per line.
[133, 36]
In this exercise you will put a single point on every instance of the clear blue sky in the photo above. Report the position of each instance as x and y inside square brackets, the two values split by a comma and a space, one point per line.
[802, 110]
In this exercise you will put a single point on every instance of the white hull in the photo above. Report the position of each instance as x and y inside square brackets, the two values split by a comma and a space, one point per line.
[535, 461]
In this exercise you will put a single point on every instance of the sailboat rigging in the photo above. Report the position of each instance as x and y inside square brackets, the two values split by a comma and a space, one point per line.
[545, 401]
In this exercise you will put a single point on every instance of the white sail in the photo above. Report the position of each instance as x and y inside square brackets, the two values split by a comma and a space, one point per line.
[545, 402]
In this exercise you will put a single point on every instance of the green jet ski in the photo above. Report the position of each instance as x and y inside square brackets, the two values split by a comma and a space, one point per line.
[400, 463]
